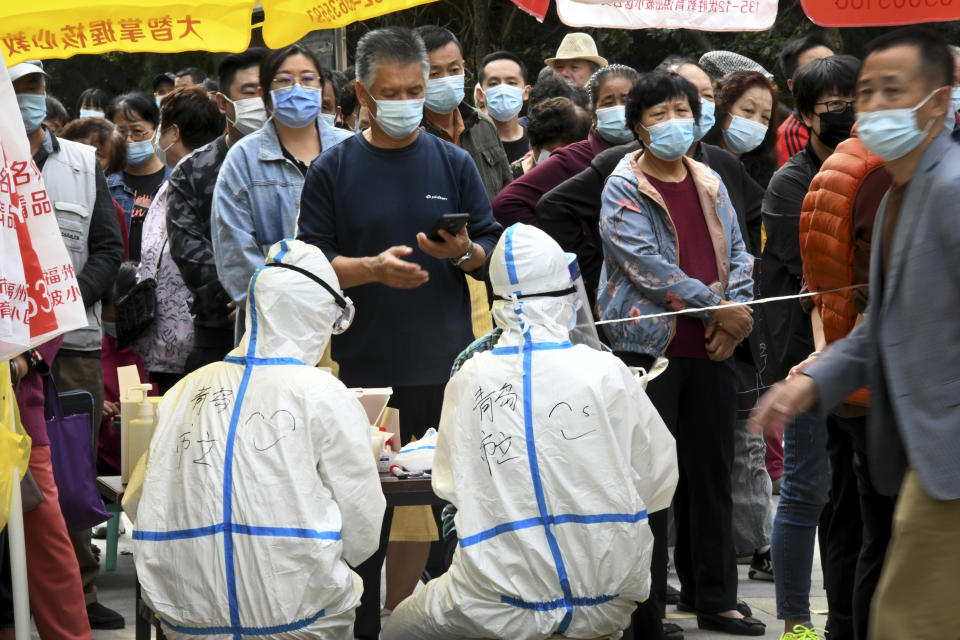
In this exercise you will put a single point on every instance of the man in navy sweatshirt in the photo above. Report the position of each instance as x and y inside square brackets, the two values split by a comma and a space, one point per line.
[369, 204]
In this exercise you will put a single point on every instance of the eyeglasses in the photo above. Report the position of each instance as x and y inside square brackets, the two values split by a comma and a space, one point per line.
[836, 106]
[282, 80]
[136, 135]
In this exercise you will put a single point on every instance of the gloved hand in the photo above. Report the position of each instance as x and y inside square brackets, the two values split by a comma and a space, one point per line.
[446, 517]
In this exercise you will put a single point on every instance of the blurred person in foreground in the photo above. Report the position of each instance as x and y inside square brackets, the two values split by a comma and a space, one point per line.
[908, 346]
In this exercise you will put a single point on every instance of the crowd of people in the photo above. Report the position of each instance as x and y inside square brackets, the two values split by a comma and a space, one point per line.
[677, 196]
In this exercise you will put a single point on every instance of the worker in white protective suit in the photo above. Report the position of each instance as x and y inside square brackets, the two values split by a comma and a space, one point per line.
[553, 455]
[260, 486]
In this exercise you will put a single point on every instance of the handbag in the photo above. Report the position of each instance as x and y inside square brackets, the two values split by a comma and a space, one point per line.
[74, 470]
[136, 310]
[31, 496]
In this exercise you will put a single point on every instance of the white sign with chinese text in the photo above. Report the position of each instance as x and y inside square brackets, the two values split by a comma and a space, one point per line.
[43, 295]
[703, 15]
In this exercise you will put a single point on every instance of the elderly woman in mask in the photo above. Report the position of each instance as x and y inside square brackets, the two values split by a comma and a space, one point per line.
[671, 241]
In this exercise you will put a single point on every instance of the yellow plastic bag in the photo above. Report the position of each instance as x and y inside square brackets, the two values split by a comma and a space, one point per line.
[14, 442]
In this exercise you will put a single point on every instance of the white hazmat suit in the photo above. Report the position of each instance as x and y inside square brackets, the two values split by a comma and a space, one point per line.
[553, 455]
[260, 485]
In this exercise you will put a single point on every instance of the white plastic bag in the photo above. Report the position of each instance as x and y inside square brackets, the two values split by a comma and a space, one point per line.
[418, 455]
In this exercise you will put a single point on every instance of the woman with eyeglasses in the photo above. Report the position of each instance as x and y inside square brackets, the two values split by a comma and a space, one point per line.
[136, 117]
[257, 197]
[745, 111]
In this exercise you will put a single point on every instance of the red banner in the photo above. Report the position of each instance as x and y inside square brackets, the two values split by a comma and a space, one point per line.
[536, 8]
[879, 13]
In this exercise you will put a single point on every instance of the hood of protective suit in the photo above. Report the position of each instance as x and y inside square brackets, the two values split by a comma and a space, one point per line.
[288, 314]
[526, 262]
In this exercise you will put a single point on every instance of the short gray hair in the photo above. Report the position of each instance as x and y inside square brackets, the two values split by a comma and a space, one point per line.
[389, 45]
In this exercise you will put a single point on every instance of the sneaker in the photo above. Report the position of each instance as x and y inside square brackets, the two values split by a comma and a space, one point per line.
[100, 533]
[102, 617]
[801, 632]
[761, 568]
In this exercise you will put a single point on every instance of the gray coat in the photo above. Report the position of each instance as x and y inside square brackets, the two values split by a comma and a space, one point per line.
[908, 346]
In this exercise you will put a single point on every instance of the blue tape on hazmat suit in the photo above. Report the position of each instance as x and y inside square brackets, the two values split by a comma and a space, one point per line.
[260, 486]
[553, 455]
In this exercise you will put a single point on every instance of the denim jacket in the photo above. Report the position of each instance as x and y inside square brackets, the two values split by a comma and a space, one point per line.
[641, 273]
[124, 195]
[256, 203]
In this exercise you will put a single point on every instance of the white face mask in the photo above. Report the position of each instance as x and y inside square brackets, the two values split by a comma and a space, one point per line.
[250, 112]
[542, 156]
[161, 151]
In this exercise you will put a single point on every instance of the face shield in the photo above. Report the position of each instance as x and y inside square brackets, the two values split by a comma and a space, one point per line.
[345, 308]
[583, 331]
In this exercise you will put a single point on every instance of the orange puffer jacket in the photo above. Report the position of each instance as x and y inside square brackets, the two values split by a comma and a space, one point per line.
[827, 238]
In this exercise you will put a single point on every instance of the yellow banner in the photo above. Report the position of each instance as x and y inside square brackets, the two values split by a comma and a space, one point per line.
[14, 442]
[64, 28]
[287, 21]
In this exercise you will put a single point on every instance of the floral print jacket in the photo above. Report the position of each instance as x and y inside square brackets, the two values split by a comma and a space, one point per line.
[165, 346]
[640, 273]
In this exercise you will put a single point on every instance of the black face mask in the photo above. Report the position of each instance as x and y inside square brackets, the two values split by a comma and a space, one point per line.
[835, 127]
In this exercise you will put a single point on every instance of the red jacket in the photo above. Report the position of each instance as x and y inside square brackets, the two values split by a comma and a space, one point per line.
[792, 136]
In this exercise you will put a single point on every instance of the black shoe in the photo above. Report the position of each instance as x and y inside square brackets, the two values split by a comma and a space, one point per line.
[672, 631]
[673, 595]
[742, 607]
[737, 626]
[761, 568]
[103, 618]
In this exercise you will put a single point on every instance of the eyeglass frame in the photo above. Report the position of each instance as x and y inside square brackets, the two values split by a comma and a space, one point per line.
[847, 104]
[302, 79]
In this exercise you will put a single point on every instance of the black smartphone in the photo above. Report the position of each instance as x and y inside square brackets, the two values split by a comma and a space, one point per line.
[449, 222]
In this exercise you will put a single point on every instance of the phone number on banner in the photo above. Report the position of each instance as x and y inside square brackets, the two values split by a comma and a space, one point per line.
[333, 10]
[694, 6]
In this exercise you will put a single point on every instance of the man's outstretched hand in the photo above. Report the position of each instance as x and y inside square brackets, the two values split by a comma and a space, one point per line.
[781, 403]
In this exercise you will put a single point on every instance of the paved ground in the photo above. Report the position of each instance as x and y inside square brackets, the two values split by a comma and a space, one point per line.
[117, 591]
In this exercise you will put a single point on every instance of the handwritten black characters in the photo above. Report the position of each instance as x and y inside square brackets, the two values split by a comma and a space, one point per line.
[504, 397]
[495, 447]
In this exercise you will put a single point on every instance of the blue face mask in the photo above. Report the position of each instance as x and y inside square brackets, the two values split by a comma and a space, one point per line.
[707, 119]
[670, 139]
[612, 124]
[399, 118]
[139, 152]
[504, 102]
[296, 106]
[33, 109]
[743, 136]
[892, 133]
[90, 113]
[444, 94]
